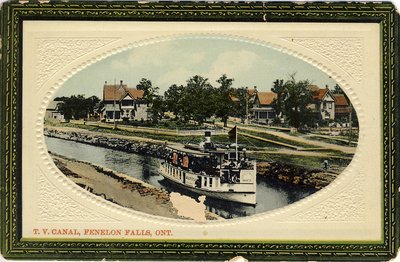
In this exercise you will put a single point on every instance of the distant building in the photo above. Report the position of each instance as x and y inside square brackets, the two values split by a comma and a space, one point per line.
[323, 102]
[128, 102]
[342, 107]
[52, 111]
[263, 110]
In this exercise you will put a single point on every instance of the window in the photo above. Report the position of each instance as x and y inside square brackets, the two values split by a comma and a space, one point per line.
[127, 102]
[263, 114]
[210, 181]
[205, 181]
[271, 115]
[329, 105]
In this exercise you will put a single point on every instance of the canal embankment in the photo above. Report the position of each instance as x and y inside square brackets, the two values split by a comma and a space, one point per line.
[266, 170]
[121, 189]
[295, 175]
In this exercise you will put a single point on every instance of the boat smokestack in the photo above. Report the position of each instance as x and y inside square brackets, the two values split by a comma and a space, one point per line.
[207, 136]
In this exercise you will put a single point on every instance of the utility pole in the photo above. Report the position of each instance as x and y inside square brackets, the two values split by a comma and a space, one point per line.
[247, 106]
[236, 143]
[115, 87]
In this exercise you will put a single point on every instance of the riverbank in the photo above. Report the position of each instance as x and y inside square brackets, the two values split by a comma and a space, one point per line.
[289, 173]
[294, 175]
[122, 189]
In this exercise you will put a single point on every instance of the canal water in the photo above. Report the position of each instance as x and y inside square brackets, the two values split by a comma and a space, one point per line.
[270, 195]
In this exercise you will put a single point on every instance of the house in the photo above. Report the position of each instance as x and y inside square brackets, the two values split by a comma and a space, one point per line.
[342, 107]
[53, 111]
[263, 111]
[323, 102]
[123, 103]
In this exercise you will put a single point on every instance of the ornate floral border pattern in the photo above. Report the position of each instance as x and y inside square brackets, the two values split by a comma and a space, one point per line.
[13, 14]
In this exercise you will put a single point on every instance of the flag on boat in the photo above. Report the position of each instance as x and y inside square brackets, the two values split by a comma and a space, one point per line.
[232, 133]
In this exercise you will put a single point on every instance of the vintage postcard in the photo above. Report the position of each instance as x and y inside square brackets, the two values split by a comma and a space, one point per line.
[163, 131]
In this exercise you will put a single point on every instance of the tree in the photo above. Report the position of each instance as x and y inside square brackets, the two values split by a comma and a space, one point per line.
[77, 106]
[173, 99]
[338, 90]
[224, 106]
[150, 91]
[243, 103]
[297, 99]
[157, 109]
[280, 90]
[197, 99]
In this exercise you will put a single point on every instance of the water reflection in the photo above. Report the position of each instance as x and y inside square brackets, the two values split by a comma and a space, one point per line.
[270, 195]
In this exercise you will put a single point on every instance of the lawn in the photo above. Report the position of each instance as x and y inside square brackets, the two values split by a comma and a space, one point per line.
[310, 162]
[223, 140]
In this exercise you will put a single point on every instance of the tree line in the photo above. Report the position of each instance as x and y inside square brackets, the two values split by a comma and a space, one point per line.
[199, 100]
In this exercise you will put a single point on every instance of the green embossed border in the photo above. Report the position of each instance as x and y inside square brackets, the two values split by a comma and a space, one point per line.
[12, 15]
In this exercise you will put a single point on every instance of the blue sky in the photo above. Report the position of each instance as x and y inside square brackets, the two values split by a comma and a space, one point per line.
[174, 61]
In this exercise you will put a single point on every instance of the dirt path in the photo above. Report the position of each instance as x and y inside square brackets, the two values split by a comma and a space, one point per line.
[344, 149]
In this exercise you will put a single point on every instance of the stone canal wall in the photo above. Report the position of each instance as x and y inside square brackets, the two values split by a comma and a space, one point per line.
[295, 175]
[265, 170]
[139, 147]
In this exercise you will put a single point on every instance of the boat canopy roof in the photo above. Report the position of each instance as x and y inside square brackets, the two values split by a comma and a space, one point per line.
[183, 149]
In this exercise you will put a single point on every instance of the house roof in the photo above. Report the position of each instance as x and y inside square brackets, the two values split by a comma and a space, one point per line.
[266, 98]
[53, 105]
[340, 100]
[319, 94]
[112, 92]
[251, 91]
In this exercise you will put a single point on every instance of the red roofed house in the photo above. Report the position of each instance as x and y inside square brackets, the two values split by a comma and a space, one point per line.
[263, 110]
[128, 102]
[323, 102]
[342, 106]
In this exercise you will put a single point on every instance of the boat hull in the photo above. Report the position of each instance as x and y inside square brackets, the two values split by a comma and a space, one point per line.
[246, 197]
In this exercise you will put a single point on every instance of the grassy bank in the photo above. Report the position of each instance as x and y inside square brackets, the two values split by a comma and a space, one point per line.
[249, 143]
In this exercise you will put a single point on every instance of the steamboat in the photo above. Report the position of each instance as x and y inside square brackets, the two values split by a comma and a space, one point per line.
[222, 173]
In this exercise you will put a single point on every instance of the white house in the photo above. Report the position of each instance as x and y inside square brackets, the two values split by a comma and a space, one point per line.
[123, 103]
[263, 110]
[323, 102]
[52, 111]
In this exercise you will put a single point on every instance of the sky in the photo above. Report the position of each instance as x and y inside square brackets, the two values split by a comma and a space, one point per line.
[175, 61]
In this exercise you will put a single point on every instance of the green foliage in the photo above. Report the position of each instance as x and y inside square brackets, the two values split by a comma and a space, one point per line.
[77, 106]
[198, 99]
[157, 109]
[150, 91]
[243, 103]
[174, 99]
[224, 106]
[293, 100]
[338, 90]
[296, 102]
[281, 91]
